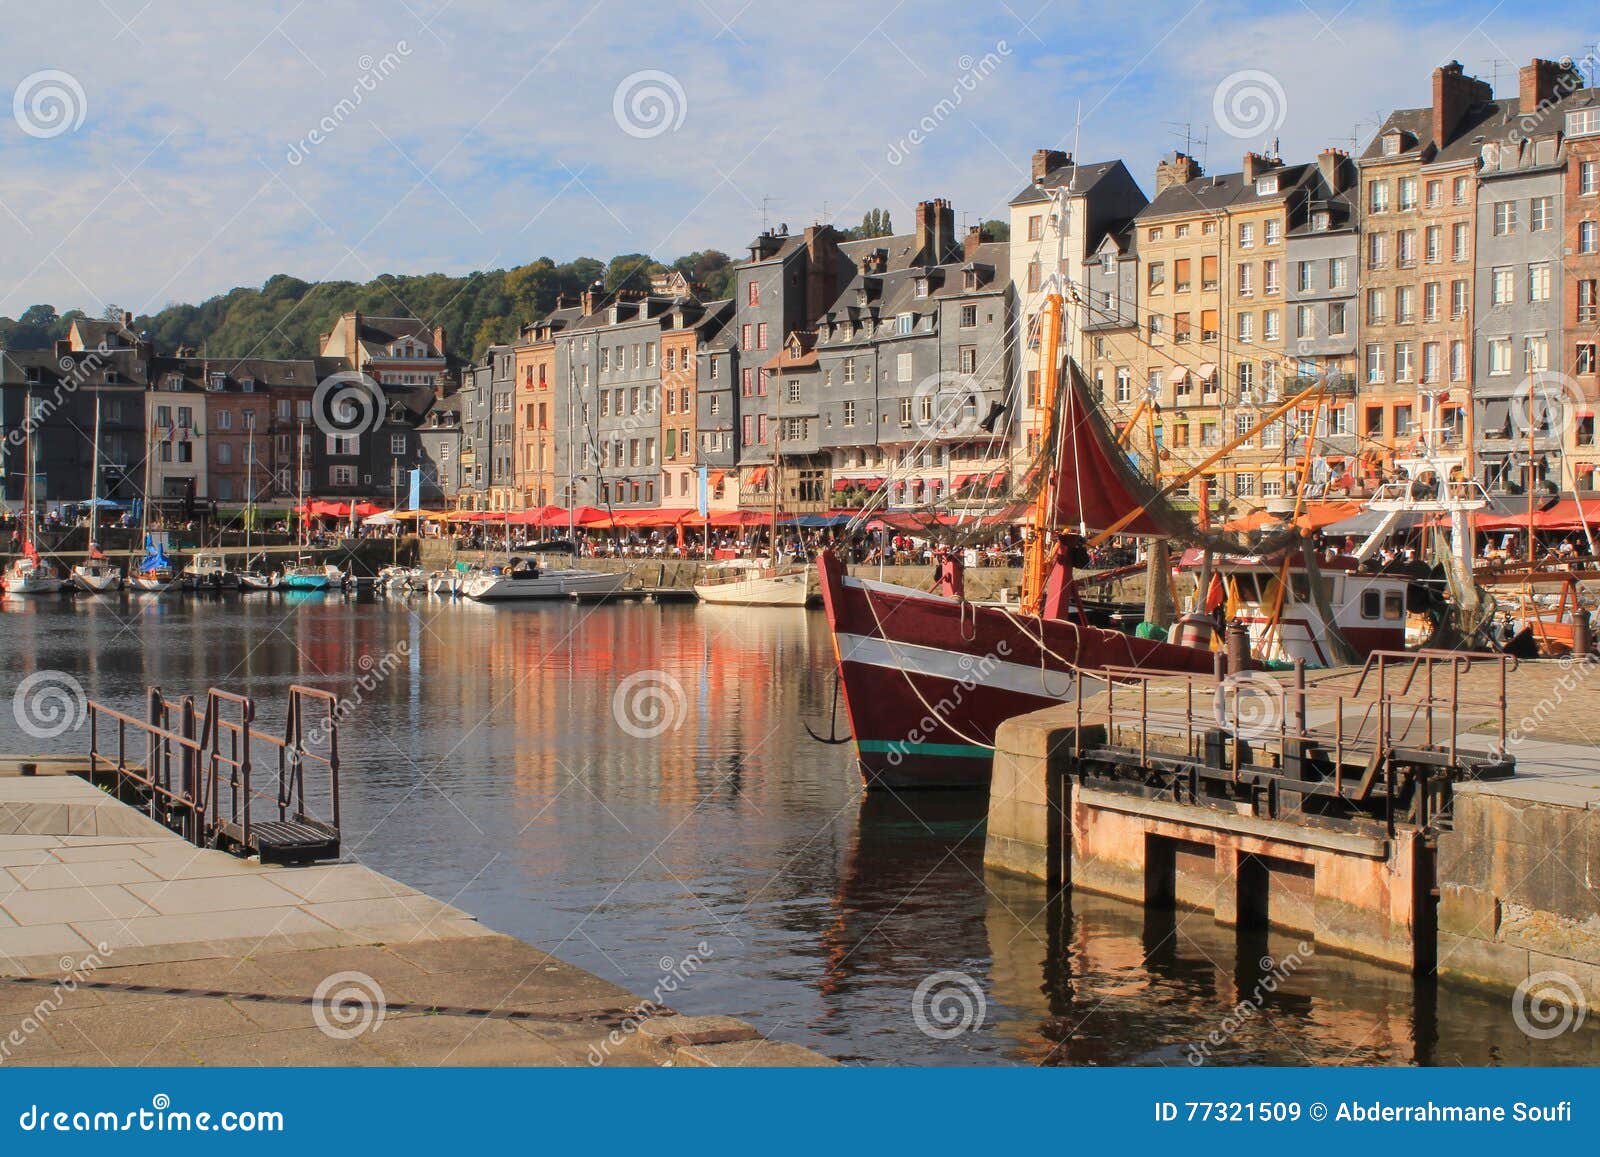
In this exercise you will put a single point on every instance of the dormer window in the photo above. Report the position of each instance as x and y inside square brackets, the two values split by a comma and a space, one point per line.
[248, 385]
[921, 287]
[216, 382]
[1267, 186]
[1391, 144]
[1584, 122]
[1320, 221]
[904, 322]
[1108, 263]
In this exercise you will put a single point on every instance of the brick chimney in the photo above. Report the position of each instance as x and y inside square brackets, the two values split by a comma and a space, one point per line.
[438, 340]
[1254, 165]
[127, 314]
[1178, 169]
[936, 231]
[1334, 165]
[352, 340]
[969, 245]
[587, 300]
[1537, 82]
[1047, 161]
[1454, 92]
[822, 264]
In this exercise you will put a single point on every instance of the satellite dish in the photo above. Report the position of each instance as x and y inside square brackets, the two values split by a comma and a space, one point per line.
[1152, 391]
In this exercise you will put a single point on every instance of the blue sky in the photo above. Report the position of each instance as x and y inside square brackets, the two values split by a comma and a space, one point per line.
[480, 133]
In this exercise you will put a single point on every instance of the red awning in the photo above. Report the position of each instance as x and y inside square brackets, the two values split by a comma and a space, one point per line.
[758, 476]
[841, 483]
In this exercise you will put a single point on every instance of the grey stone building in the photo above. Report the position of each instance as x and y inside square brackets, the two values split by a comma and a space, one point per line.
[1517, 305]
[439, 452]
[717, 405]
[913, 372]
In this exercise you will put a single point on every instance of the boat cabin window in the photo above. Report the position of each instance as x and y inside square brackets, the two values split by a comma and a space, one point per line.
[1394, 607]
[1371, 604]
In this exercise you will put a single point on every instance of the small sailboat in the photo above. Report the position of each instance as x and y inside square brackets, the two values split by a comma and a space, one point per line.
[255, 580]
[29, 574]
[155, 573]
[98, 575]
[445, 583]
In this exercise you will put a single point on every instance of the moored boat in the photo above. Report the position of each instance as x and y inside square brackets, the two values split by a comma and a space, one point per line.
[31, 575]
[97, 577]
[742, 583]
[526, 580]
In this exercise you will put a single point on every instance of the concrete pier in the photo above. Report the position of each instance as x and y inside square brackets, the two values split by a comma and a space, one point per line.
[122, 944]
[1511, 889]
[1355, 893]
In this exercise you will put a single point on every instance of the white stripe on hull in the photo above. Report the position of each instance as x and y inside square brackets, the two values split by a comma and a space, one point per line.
[981, 670]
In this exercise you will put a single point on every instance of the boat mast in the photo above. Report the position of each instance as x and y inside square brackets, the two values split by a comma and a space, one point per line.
[94, 474]
[777, 458]
[1035, 562]
[27, 483]
[249, 487]
[300, 484]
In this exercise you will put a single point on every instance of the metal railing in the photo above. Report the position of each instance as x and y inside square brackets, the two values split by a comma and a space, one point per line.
[1401, 708]
[192, 759]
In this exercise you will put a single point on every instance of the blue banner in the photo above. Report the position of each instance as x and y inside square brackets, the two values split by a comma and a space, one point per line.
[702, 500]
[933, 1111]
[414, 499]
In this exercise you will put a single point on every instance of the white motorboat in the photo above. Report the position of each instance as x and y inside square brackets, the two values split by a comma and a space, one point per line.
[97, 577]
[400, 581]
[31, 575]
[446, 584]
[527, 580]
[743, 583]
[255, 580]
[208, 572]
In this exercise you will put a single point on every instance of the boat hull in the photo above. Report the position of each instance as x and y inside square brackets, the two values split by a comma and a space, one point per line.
[549, 585]
[96, 583]
[928, 680]
[783, 591]
[33, 586]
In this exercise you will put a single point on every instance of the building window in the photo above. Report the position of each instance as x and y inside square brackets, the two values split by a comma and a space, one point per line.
[1502, 286]
[1375, 251]
[1336, 319]
[1402, 361]
[1302, 276]
[761, 336]
[1408, 193]
[1458, 299]
[1036, 227]
[1587, 300]
[1588, 237]
[1378, 195]
[1583, 362]
[1458, 361]
[1433, 244]
[1499, 356]
[849, 413]
[1155, 272]
[967, 359]
[1541, 214]
[1459, 240]
[1270, 276]
[1505, 218]
[1584, 122]
[1247, 235]
[1539, 281]
[1377, 307]
[969, 316]
[903, 370]
[753, 293]
[1430, 301]
[1270, 328]
[1304, 322]
[1589, 178]
[1461, 189]
[1374, 363]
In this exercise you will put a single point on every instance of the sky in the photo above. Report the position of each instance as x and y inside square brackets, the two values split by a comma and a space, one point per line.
[160, 151]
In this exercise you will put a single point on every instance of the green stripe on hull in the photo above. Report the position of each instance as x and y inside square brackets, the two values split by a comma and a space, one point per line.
[905, 747]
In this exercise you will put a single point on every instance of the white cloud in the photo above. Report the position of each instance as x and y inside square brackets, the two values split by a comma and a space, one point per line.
[492, 140]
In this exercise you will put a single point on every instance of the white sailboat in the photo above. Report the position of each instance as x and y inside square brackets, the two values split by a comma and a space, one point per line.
[29, 574]
[525, 579]
[155, 573]
[97, 575]
[749, 583]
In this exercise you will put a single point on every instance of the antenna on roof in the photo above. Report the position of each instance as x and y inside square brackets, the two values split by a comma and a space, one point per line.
[766, 207]
[1494, 63]
[1191, 139]
[1077, 159]
[1590, 53]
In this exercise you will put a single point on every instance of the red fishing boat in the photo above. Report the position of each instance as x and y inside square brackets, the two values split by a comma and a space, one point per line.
[929, 677]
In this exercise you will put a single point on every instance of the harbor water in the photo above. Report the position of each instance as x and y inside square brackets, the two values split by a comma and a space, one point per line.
[634, 789]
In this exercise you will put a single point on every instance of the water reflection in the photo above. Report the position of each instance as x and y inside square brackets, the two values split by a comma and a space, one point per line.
[484, 763]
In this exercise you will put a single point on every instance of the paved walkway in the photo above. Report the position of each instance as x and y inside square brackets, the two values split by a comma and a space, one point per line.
[121, 944]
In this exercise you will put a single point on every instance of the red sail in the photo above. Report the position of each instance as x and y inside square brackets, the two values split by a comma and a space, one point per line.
[1098, 486]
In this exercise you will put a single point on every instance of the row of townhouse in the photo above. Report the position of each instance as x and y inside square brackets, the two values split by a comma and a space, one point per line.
[1445, 280]
[215, 431]
[837, 369]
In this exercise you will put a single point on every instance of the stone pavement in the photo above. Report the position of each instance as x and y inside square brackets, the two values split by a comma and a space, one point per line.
[122, 944]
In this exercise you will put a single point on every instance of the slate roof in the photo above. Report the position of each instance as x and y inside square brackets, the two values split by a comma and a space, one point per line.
[1088, 175]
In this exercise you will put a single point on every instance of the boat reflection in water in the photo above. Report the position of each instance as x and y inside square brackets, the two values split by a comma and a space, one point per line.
[619, 784]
